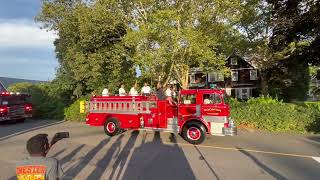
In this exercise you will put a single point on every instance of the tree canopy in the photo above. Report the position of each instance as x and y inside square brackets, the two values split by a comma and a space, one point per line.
[101, 43]
[89, 48]
[294, 44]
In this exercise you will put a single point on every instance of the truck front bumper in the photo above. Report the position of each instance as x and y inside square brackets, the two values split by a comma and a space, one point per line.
[9, 118]
[230, 131]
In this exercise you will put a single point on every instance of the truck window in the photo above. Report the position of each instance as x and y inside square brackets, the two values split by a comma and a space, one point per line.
[212, 99]
[188, 99]
[13, 100]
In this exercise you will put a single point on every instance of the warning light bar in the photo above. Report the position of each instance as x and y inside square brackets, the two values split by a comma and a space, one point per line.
[5, 93]
[10, 93]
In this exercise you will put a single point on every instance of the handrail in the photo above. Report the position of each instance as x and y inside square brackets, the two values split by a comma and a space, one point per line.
[118, 106]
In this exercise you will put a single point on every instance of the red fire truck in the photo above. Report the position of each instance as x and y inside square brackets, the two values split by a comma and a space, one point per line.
[14, 106]
[198, 112]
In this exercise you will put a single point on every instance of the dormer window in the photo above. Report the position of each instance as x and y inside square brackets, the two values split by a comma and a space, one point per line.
[234, 61]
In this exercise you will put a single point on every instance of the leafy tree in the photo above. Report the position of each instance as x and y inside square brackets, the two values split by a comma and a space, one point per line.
[89, 48]
[294, 44]
[296, 29]
[169, 37]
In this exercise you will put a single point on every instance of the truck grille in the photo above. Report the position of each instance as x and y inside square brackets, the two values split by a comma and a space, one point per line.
[16, 111]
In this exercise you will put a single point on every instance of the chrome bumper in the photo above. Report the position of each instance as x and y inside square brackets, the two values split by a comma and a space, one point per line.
[8, 118]
[231, 131]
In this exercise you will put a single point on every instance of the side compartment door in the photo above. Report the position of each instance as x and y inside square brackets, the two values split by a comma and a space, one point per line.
[157, 116]
[151, 120]
[162, 114]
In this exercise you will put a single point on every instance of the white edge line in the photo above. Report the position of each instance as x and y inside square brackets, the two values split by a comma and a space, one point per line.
[31, 129]
[316, 159]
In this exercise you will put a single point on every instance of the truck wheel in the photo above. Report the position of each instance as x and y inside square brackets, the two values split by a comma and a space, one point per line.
[112, 127]
[194, 133]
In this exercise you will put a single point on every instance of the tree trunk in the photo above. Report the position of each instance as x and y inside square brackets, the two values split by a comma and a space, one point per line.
[182, 75]
[169, 75]
[185, 76]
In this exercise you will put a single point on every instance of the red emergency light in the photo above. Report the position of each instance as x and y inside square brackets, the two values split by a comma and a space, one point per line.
[5, 93]
[3, 109]
[28, 107]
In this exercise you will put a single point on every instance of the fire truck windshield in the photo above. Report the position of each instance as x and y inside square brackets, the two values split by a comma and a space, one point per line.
[13, 100]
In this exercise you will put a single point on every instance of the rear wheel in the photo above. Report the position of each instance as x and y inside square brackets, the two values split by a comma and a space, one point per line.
[112, 127]
[194, 133]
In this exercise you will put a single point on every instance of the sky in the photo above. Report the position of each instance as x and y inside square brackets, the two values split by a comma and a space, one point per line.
[26, 51]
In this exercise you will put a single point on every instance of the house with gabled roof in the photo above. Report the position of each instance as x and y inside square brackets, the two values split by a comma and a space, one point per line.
[243, 82]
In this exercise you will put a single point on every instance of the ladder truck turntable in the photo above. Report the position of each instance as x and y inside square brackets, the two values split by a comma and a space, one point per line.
[197, 113]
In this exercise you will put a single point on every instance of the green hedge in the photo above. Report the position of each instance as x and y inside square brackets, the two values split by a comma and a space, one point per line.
[274, 115]
[72, 113]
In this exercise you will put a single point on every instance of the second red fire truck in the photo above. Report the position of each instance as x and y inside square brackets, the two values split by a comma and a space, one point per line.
[14, 106]
[198, 112]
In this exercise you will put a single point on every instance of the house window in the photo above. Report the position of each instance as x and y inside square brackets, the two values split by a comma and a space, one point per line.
[192, 78]
[215, 76]
[243, 93]
[234, 75]
[234, 61]
[253, 74]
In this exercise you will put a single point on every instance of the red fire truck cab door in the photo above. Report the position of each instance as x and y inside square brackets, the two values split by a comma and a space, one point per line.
[214, 112]
[187, 106]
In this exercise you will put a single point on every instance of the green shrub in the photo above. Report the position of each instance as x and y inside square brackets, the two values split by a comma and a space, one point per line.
[312, 104]
[264, 100]
[45, 104]
[273, 115]
[72, 113]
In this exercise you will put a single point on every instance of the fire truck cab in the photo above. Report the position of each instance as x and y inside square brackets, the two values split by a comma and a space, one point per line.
[14, 106]
[196, 113]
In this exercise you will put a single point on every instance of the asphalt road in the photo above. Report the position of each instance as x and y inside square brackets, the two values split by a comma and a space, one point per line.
[139, 155]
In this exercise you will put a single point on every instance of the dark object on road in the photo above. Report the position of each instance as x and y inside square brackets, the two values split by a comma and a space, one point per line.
[37, 165]
[58, 136]
[15, 106]
[62, 135]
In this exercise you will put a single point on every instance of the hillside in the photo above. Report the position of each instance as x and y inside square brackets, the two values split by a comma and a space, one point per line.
[6, 82]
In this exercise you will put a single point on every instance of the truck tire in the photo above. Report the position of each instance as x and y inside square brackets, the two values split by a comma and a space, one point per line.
[194, 133]
[112, 127]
